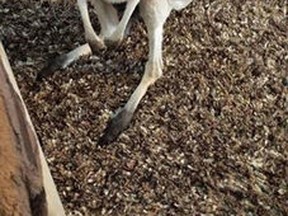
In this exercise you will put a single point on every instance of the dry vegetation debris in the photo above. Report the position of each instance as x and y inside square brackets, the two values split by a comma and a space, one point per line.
[209, 137]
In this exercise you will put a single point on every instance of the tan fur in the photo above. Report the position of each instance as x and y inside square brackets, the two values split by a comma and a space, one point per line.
[13, 199]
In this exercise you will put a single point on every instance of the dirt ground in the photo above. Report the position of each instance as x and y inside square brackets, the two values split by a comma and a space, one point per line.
[210, 137]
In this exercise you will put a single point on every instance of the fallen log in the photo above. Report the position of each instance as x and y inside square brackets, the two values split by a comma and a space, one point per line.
[26, 185]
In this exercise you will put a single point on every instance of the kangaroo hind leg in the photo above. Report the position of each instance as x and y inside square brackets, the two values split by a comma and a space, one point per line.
[154, 13]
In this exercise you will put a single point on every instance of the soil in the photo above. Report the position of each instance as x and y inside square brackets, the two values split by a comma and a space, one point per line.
[210, 137]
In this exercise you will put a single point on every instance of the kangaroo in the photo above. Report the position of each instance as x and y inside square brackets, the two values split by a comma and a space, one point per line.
[112, 30]
[154, 14]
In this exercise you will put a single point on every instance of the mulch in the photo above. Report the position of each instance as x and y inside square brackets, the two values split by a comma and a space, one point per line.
[210, 137]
